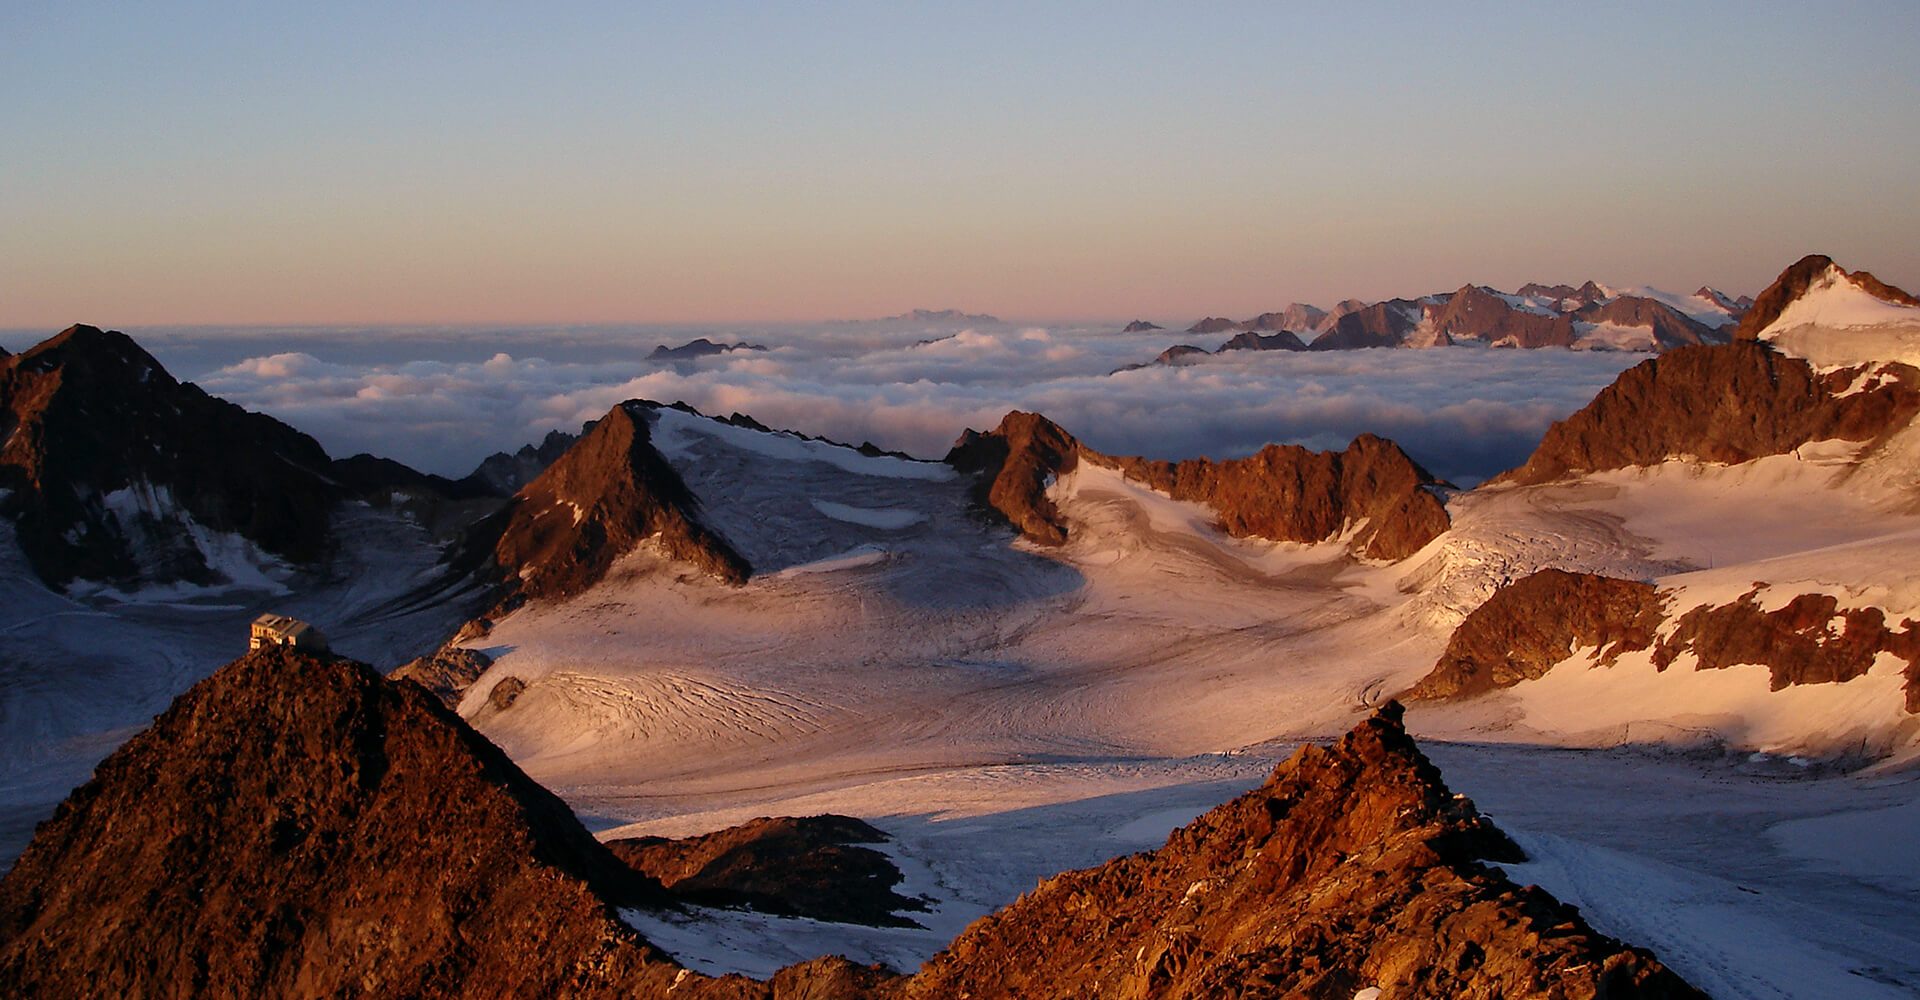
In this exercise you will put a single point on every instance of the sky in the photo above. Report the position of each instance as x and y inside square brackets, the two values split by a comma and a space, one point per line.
[394, 163]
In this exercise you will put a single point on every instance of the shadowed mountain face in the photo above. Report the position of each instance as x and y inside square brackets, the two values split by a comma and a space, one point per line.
[1476, 313]
[299, 826]
[600, 500]
[1351, 868]
[1720, 403]
[1282, 492]
[808, 866]
[110, 465]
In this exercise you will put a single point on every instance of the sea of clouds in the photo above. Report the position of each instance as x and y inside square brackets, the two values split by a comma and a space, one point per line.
[441, 399]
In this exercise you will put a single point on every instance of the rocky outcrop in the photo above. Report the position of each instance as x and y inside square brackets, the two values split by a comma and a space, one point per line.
[1283, 492]
[1798, 643]
[107, 458]
[1382, 324]
[699, 347]
[503, 473]
[1285, 340]
[1141, 326]
[447, 672]
[1796, 280]
[1724, 403]
[1669, 327]
[1013, 465]
[810, 866]
[1529, 625]
[1214, 324]
[610, 492]
[299, 827]
[1475, 313]
[1296, 317]
[1352, 868]
[1292, 494]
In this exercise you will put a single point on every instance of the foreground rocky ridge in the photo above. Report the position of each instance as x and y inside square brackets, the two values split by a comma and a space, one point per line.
[1351, 868]
[298, 826]
[301, 827]
[1282, 492]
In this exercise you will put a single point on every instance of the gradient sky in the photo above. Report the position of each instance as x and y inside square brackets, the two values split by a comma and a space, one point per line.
[393, 163]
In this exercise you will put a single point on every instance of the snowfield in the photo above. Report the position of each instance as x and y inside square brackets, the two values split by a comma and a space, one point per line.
[1006, 711]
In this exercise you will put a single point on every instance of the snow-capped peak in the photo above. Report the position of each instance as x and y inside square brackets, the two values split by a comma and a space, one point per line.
[1839, 321]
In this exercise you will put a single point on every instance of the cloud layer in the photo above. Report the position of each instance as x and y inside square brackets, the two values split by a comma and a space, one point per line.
[431, 400]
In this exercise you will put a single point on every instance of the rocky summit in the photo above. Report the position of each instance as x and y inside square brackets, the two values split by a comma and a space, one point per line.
[1283, 492]
[110, 465]
[1351, 869]
[298, 826]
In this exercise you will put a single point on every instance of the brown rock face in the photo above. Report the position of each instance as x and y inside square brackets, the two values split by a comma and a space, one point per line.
[88, 413]
[1285, 340]
[301, 827]
[1014, 464]
[1382, 324]
[1719, 403]
[609, 493]
[1352, 867]
[1794, 282]
[810, 866]
[1140, 326]
[1476, 313]
[1529, 625]
[1288, 493]
[1295, 317]
[447, 672]
[1213, 324]
[1799, 643]
[1283, 492]
[1671, 327]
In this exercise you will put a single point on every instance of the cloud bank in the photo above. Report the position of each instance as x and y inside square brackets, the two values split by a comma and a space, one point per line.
[1464, 412]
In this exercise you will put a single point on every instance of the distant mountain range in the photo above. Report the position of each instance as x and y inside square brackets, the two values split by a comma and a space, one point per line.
[1588, 317]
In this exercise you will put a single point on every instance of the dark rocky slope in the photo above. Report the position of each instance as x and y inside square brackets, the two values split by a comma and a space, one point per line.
[300, 827]
[1351, 867]
[88, 415]
[600, 500]
[1382, 324]
[1476, 313]
[807, 866]
[1719, 403]
[1282, 492]
[503, 473]
[1285, 340]
[1214, 324]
